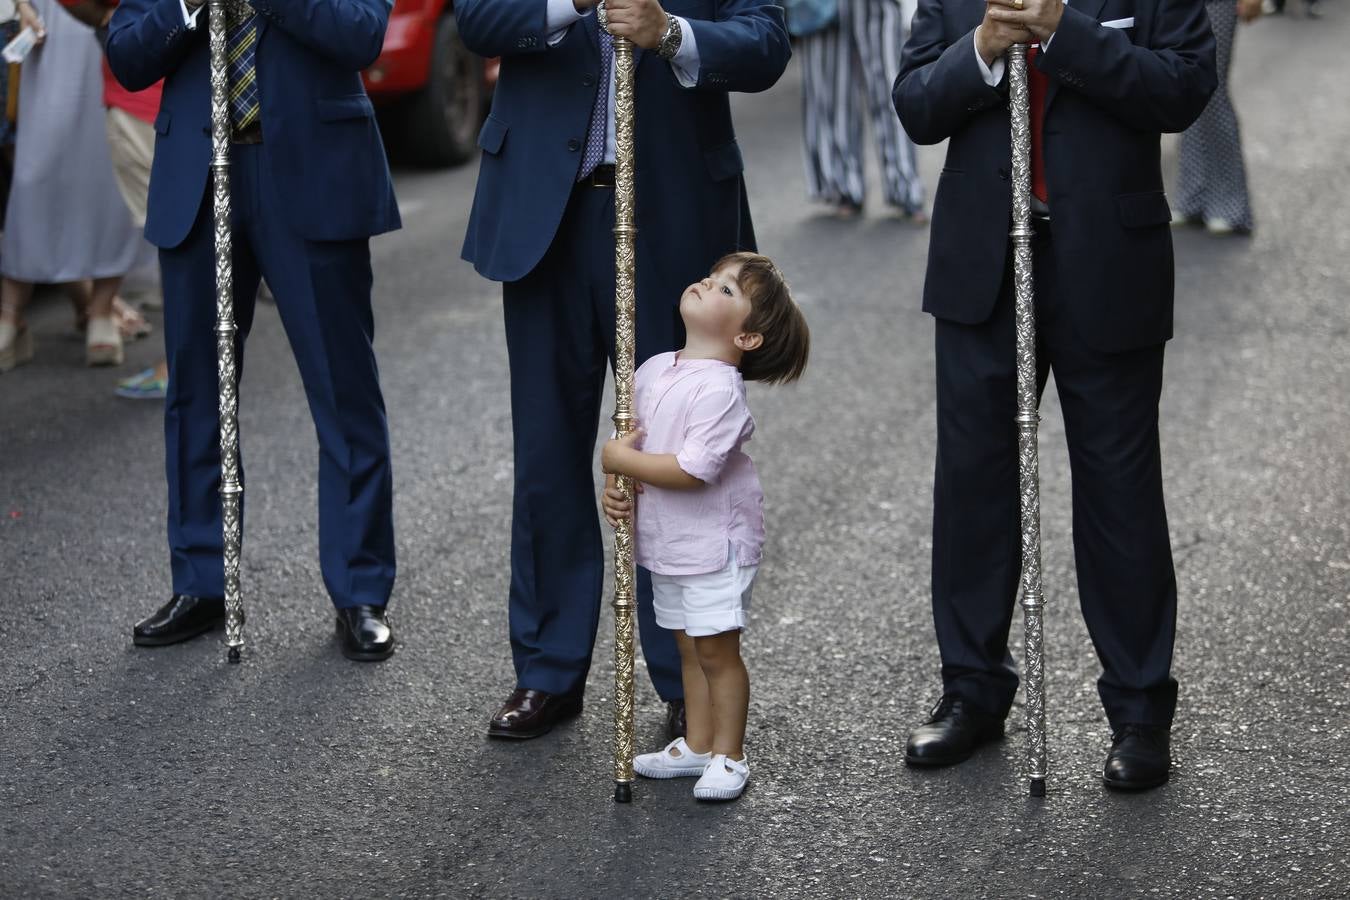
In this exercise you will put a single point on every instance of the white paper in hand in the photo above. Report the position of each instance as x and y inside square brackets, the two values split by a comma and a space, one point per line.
[17, 49]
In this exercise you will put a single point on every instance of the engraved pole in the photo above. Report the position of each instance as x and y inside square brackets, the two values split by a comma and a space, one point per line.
[231, 490]
[1028, 417]
[625, 339]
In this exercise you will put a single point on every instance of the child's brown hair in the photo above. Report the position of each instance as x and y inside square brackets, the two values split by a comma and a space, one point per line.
[782, 355]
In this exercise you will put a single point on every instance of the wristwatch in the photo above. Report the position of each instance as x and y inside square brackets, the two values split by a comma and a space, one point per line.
[670, 41]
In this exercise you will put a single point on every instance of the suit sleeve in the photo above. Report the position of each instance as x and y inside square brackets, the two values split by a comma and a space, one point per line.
[745, 49]
[940, 85]
[349, 32]
[503, 27]
[147, 39]
[1162, 87]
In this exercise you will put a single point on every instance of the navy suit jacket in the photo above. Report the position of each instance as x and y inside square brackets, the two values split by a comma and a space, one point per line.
[318, 124]
[1113, 91]
[690, 192]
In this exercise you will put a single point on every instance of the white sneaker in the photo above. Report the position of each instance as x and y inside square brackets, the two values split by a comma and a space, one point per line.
[1219, 226]
[676, 761]
[724, 779]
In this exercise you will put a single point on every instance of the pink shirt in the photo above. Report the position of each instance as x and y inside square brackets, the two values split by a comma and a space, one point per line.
[696, 410]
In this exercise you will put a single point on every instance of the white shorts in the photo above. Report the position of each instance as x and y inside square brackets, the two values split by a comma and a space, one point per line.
[707, 604]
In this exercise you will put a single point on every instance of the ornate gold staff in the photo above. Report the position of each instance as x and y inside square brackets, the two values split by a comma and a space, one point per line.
[1028, 418]
[231, 490]
[625, 339]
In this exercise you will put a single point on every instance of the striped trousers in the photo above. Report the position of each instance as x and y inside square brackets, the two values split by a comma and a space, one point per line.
[846, 67]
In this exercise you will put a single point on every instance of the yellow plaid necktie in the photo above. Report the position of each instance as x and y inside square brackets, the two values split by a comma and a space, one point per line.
[241, 44]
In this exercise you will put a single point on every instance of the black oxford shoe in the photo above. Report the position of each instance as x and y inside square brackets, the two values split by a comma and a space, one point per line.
[1140, 758]
[529, 714]
[365, 633]
[952, 733]
[183, 617]
[675, 724]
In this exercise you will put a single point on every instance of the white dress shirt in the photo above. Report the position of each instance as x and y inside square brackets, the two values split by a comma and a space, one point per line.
[561, 16]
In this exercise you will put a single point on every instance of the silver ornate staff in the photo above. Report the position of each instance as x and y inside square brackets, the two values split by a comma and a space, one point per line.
[231, 490]
[1028, 417]
[625, 339]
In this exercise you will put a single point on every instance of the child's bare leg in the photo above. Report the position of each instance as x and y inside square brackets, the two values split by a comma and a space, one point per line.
[719, 655]
[698, 715]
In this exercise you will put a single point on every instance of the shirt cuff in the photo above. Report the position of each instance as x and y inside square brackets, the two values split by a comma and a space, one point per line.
[560, 16]
[1045, 44]
[700, 462]
[190, 16]
[685, 65]
[992, 74]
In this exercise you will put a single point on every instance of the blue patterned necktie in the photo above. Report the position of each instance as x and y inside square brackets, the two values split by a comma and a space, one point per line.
[241, 44]
[599, 127]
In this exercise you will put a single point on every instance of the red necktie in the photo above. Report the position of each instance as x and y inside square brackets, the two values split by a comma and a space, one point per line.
[1037, 83]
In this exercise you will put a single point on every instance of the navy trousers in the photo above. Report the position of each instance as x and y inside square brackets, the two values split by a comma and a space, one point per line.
[322, 291]
[1126, 583]
[560, 339]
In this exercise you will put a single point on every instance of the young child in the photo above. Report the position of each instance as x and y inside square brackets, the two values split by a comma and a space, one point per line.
[700, 519]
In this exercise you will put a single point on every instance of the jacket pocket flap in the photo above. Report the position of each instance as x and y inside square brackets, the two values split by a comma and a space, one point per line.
[335, 109]
[725, 161]
[1144, 209]
[492, 135]
[162, 121]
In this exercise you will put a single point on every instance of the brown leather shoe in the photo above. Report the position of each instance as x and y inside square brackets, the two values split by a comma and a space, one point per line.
[529, 714]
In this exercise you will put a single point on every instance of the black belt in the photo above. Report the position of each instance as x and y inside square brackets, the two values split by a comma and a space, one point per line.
[601, 177]
[250, 135]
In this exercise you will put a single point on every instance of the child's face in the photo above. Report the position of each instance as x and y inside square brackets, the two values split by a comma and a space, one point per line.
[715, 307]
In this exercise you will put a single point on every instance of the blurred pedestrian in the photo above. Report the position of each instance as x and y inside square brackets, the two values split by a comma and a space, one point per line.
[1276, 8]
[130, 121]
[65, 221]
[849, 62]
[1211, 177]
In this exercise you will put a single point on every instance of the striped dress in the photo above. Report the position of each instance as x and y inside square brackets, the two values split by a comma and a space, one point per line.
[847, 68]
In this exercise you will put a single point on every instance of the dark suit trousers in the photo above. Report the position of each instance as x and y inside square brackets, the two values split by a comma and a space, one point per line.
[1126, 583]
[560, 339]
[322, 291]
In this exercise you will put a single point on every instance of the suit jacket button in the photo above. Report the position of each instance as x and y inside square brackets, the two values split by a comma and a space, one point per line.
[587, 81]
[1003, 173]
[574, 145]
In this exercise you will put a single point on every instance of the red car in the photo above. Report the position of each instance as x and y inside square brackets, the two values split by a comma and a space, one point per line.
[430, 90]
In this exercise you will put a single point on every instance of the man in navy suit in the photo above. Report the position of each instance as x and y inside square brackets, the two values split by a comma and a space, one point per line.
[542, 223]
[1108, 77]
[309, 186]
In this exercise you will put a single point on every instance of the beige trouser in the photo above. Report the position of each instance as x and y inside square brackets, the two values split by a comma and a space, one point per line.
[132, 143]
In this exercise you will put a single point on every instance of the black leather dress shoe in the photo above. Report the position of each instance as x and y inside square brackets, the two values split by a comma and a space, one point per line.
[183, 617]
[675, 726]
[1140, 758]
[529, 714]
[365, 633]
[953, 731]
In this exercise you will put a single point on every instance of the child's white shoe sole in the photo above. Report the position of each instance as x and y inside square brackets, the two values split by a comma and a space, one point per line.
[718, 793]
[663, 771]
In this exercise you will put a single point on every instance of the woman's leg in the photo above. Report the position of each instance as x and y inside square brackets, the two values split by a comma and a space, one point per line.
[719, 657]
[14, 297]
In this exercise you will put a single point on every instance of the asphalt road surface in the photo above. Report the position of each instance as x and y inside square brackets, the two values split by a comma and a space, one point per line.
[299, 774]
